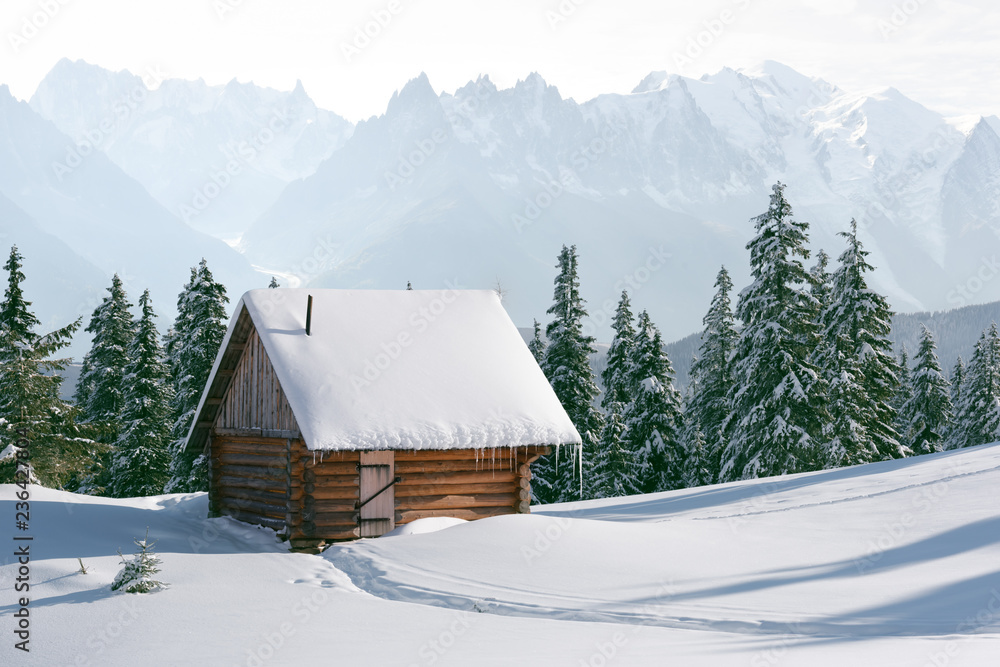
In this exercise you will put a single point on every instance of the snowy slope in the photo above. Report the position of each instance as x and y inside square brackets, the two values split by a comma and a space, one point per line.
[886, 564]
[176, 137]
[486, 183]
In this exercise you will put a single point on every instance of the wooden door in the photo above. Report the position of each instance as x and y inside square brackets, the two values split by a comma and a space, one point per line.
[378, 498]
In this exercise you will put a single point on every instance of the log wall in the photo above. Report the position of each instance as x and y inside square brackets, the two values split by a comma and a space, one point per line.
[249, 479]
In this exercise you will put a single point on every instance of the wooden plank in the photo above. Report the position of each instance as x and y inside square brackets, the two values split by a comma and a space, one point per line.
[446, 466]
[251, 432]
[276, 486]
[412, 479]
[418, 490]
[335, 519]
[259, 509]
[256, 472]
[246, 517]
[471, 514]
[251, 445]
[236, 458]
[322, 492]
[459, 502]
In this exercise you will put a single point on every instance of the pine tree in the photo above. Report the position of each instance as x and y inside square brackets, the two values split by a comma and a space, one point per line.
[978, 420]
[616, 376]
[537, 344]
[99, 390]
[697, 463]
[567, 366]
[136, 575]
[711, 373]
[32, 415]
[957, 380]
[777, 401]
[192, 345]
[904, 393]
[929, 411]
[141, 460]
[858, 364]
[614, 470]
[653, 420]
[821, 283]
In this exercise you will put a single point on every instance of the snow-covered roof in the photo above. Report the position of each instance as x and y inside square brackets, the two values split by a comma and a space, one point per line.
[404, 369]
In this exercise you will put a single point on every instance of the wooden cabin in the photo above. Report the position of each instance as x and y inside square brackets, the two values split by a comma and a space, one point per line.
[337, 414]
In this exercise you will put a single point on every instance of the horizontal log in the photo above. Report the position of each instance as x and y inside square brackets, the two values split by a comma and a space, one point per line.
[327, 534]
[405, 516]
[453, 489]
[246, 517]
[321, 506]
[342, 481]
[234, 481]
[335, 493]
[270, 510]
[256, 472]
[240, 459]
[456, 501]
[524, 483]
[335, 519]
[403, 467]
[262, 433]
[524, 506]
[322, 457]
[415, 479]
[524, 470]
[329, 470]
[250, 445]
[251, 494]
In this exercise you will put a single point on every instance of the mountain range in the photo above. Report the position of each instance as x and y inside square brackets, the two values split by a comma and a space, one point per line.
[481, 187]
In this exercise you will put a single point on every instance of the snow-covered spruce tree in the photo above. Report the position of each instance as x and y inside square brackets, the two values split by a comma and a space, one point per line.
[711, 374]
[653, 419]
[31, 410]
[821, 285]
[192, 345]
[136, 575]
[100, 388]
[567, 366]
[614, 470]
[928, 413]
[978, 420]
[140, 461]
[697, 469]
[957, 382]
[537, 344]
[778, 399]
[859, 361]
[904, 392]
[616, 376]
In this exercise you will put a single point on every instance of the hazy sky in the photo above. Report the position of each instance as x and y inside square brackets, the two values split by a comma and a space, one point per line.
[945, 54]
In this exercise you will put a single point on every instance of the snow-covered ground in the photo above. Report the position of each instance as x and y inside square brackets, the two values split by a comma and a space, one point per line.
[888, 564]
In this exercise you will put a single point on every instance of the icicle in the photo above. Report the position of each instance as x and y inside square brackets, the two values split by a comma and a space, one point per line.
[557, 458]
[314, 458]
[581, 472]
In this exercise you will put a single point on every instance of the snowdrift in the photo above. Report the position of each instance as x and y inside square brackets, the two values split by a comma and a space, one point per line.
[894, 563]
